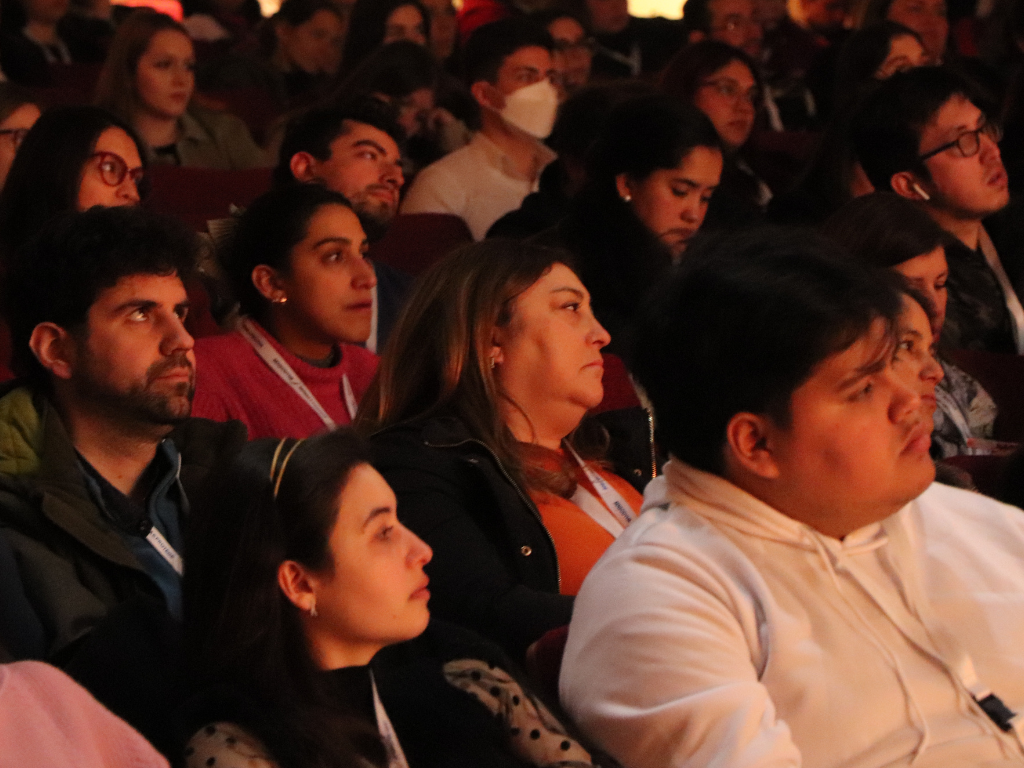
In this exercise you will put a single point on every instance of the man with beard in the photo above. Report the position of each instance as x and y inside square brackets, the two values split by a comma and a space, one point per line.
[99, 460]
[353, 149]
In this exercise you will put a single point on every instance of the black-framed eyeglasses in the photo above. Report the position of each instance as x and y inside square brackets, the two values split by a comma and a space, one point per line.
[17, 134]
[969, 142]
[114, 169]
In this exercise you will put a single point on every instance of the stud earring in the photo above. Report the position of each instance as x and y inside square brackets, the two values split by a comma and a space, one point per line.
[281, 300]
[626, 198]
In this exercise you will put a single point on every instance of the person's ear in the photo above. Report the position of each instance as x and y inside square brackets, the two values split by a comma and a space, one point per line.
[268, 283]
[296, 585]
[623, 188]
[749, 444]
[54, 348]
[303, 167]
[496, 355]
[487, 95]
[907, 184]
[695, 36]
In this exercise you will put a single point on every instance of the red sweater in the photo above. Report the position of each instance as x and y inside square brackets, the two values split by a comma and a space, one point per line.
[233, 382]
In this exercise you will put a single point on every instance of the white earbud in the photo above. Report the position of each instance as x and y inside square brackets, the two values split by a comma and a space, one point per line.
[917, 188]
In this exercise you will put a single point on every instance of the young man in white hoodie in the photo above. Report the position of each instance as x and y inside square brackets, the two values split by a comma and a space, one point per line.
[798, 591]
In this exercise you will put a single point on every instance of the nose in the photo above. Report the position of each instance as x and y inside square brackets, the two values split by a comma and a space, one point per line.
[931, 370]
[691, 210]
[128, 191]
[906, 398]
[176, 337]
[392, 173]
[364, 276]
[599, 337]
[420, 552]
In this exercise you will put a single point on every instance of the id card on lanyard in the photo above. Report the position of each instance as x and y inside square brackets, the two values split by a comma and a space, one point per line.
[286, 373]
[612, 512]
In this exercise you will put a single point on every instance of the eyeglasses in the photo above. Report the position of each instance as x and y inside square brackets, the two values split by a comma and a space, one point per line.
[17, 134]
[113, 169]
[729, 88]
[968, 143]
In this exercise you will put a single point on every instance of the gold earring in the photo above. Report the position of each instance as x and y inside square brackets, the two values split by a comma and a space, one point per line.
[281, 300]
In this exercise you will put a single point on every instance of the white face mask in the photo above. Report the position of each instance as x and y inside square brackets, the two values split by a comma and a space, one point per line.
[533, 108]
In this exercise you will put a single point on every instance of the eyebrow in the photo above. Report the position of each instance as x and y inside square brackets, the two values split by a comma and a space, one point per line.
[135, 304]
[692, 184]
[374, 514]
[370, 143]
[869, 368]
[326, 240]
[568, 289]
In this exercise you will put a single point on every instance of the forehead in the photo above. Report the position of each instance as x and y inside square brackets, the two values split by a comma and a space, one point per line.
[324, 18]
[162, 289]
[702, 165]
[914, 318]
[115, 140]
[731, 7]
[169, 41]
[355, 133]
[335, 221]
[405, 14]
[735, 70]
[871, 350]
[566, 28]
[530, 57]
[952, 118]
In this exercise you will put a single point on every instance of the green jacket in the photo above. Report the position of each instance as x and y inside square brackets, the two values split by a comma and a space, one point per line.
[74, 565]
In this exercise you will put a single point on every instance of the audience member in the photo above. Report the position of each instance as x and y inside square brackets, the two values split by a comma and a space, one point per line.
[508, 67]
[580, 120]
[796, 567]
[148, 81]
[293, 64]
[722, 82]
[100, 460]
[72, 159]
[378, 22]
[46, 719]
[627, 46]
[733, 22]
[477, 410]
[222, 22]
[642, 204]
[788, 53]
[573, 53]
[37, 34]
[353, 149]
[885, 230]
[922, 135]
[308, 622]
[293, 366]
[833, 177]
[18, 113]
[926, 17]
[444, 29]
[405, 75]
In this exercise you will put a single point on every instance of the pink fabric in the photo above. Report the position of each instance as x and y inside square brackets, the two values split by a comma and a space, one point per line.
[47, 720]
[233, 382]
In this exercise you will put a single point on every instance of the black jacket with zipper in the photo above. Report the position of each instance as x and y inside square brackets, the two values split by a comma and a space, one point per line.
[494, 567]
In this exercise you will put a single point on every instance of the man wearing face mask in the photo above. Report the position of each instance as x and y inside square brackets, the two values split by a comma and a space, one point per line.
[508, 68]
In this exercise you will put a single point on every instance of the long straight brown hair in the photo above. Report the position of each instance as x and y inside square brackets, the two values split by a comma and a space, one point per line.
[437, 358]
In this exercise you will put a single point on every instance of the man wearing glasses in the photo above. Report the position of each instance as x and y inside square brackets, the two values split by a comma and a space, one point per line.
[923, 135]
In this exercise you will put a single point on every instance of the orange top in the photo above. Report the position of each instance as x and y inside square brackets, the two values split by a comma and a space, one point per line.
[579, 541]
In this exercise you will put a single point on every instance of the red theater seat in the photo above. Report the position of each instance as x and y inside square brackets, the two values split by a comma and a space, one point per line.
[196, 195]
[416, 240]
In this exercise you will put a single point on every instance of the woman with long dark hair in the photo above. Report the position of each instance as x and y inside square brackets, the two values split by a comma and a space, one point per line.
[374, 23]
[477, 414]
[72, 159]
[307, 632]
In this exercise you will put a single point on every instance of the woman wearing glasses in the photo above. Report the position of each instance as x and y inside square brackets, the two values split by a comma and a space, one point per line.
[722, 82]
[18, 113]
[72, 159]
[148, 81]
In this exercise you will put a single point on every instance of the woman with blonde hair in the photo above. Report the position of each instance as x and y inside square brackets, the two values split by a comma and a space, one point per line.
[148, 81]
[477, 416]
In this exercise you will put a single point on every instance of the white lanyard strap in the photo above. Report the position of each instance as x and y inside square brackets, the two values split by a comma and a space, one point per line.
[284, 371]
[163, 546]
[396, 757]
[612, 503]
[1013, 304]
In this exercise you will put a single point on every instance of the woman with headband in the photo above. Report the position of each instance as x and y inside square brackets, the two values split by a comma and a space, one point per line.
[309, 636]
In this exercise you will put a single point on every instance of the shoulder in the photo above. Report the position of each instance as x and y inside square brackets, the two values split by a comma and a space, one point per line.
[226, 745]
[215, 122]
[205, 443]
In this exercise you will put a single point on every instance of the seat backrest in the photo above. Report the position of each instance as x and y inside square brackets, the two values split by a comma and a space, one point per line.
[414, 241]
[1002, 376]
[196, 195]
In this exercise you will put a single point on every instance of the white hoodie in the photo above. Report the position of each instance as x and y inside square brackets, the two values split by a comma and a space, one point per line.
[716, 631]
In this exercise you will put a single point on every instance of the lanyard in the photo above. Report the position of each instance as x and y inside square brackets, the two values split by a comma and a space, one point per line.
[160, 543]
[280, 366]
[396, 757]
[612, 512]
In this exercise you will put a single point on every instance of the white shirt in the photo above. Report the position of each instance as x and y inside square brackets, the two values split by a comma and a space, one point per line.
[716, 631]
[477, 183]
